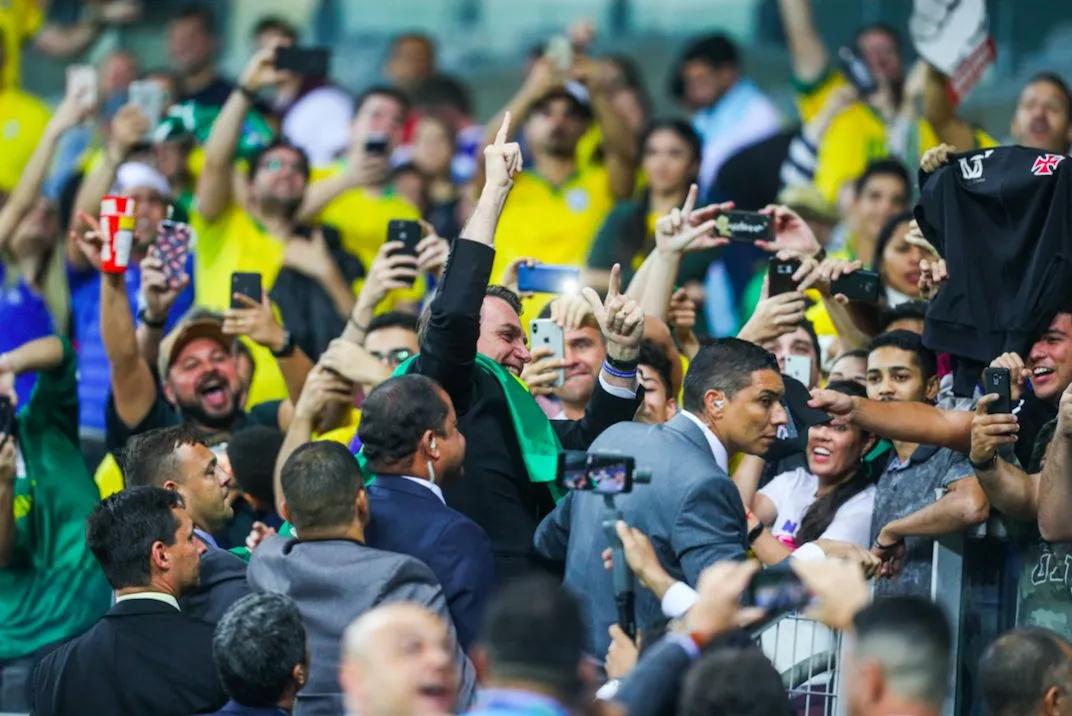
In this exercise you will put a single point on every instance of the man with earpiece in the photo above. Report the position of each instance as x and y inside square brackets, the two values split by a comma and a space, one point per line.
[413, 446]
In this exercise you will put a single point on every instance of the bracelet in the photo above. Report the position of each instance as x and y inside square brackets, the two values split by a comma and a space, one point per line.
[355, 324]
[987, 465]
[886, 547]
[624, 366]
[143, 317]
[247, 93]
[755, 532]
[624, 375]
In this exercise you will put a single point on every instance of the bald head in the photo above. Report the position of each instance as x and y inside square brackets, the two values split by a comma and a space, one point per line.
[399, 659]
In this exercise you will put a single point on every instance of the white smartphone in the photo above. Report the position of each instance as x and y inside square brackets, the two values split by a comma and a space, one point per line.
[560, 51]
[545, 333]
[149, 98]
[799, 367]
[82, 81]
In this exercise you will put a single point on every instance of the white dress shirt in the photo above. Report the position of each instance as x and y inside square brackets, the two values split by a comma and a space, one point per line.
[717, 448]
[155, 596]
[428, 484]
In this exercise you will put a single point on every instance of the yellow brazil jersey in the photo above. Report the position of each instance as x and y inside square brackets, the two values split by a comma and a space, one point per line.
[590, 154]
[19, 21]
[23, 118]
[857, 136]
[553, 224]
[362, 217]
[235, 242]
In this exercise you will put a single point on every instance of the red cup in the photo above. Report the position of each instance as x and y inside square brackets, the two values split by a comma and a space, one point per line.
[117, 229]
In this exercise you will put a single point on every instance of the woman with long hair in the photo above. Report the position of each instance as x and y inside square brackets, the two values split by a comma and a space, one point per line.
[825, 508]
[670, 158]
[897, 261]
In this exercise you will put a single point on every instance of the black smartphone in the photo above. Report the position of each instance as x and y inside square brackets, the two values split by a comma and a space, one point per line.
[406, 232]
[608, 474]
[308, 61]
[861, 286]
[777, 590]
[780, 276]
[246, 284]
[746, 226]
[7, 418]
[997, 380]
[376, 144]
[857, 72]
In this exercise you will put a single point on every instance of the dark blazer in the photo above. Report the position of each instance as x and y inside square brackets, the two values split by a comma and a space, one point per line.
[691, 510]
[495, 491]
[410, 519]
[142, 657]
[223, 582]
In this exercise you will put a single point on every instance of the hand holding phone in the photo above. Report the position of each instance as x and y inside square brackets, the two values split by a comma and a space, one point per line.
[149, 97]
[82, 83]
[545, 333]
[172, 248]
[744, 226]
[306, 61]
[778, 590]
[861, 286]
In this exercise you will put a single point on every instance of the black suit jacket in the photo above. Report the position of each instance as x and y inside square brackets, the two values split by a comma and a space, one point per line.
[142, 657]
[408, 518]
[495, 491]
[223, 582]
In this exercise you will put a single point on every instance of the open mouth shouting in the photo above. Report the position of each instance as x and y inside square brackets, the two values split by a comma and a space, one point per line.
[214, 392]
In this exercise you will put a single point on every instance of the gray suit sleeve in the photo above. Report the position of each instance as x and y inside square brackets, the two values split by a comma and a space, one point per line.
[552, 536]
[710, 526]
[653, 686]
[414, 582]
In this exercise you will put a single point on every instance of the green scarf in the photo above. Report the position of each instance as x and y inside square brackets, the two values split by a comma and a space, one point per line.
[538, 441]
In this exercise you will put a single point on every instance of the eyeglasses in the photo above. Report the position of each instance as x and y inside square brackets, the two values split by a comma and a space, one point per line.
[393, 357]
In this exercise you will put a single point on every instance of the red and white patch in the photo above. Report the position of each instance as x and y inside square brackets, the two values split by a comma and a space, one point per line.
[1045, 165]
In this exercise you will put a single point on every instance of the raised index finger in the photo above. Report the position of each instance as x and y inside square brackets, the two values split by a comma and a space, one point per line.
[690, 200]
[504, 130]
[615, 286]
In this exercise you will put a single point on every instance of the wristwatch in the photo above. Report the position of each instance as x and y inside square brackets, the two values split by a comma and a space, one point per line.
[988, 465]
[143, 317]
[755, 532]
[288, 346]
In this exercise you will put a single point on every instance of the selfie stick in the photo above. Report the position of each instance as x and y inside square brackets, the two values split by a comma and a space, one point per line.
[624, 595]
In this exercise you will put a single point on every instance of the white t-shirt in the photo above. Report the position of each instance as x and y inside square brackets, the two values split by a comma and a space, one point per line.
[793, 493]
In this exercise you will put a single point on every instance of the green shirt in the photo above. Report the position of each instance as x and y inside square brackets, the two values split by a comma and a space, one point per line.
[53, 588]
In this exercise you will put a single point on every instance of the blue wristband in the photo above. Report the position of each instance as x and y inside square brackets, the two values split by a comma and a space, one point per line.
[624, 375]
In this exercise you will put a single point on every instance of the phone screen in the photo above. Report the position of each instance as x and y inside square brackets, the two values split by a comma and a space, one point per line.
[746, 226]
[778, 590]
[549, 279]
[608, 474]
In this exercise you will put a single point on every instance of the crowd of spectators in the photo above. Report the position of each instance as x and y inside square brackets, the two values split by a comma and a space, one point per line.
[341, 494]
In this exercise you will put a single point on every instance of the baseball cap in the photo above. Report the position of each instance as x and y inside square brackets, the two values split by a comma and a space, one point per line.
[796, 400]
[189, 330]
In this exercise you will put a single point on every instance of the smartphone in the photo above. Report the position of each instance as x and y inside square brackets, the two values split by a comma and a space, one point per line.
[861, 286]
[376, 144]
[799, 367]
[172, 248]
[545, 333]
[7, 418]
[308, 61]
[746, 226]
[857, 72]
[997, 380]
[780, 276]
[560, 51]
[82, 80]
[149, 98]
[246, 284]
[604, 473]
[548, 279]
[778, 590]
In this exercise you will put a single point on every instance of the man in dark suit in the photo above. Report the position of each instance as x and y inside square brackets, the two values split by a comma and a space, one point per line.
[332, 575]
[413, 446]
[471, 343]
[177, 458]
[691, 507]
[144, 656]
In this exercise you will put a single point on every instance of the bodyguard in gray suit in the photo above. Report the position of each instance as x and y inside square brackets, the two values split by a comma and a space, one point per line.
[691, 509]
[332, 576]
